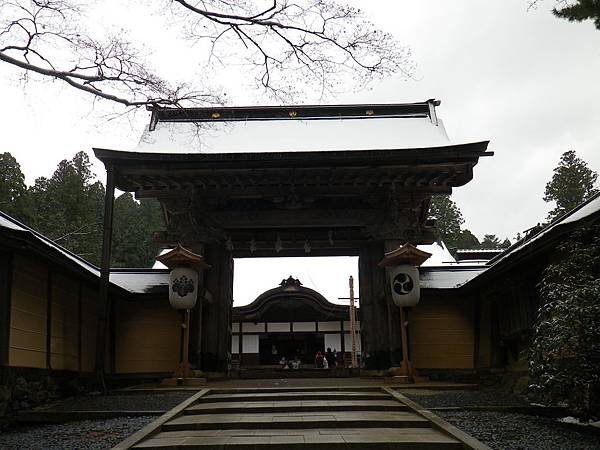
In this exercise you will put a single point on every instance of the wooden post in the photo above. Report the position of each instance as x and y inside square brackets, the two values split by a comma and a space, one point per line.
[104, 300]
[353, 323]
[406, 367]
[184, 370]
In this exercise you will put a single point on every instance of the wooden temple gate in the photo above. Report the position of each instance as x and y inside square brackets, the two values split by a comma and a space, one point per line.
[303, 203]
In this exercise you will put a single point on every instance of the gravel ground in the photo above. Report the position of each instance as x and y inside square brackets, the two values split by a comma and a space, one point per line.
[91, 434]
[504, 430]
[483, 397]
[159, 401]
[510, 431]
[86, 434]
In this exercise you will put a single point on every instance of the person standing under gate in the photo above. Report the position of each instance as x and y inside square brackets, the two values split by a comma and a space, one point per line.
[319, 360]
[330, 357]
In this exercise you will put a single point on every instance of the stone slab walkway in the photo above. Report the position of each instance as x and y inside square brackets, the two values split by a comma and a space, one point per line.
[344, 417]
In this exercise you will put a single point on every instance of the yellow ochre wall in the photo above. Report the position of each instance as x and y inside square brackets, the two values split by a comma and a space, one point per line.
[27, 342]
[441, 334]
[147, 337]
[29, 314]
[64, 341]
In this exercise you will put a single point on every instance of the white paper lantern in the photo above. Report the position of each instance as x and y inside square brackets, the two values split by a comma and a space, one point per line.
[404, 283]
[183, 287]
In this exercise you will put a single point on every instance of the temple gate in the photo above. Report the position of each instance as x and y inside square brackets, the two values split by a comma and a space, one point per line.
[357, 181]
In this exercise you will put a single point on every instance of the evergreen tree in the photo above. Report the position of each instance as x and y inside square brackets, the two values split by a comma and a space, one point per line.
[13, 191]
[449, 222]
[466, 240]
[580, 10]
[572, 184]
[134, 227]
[68, 207]
[490, 241]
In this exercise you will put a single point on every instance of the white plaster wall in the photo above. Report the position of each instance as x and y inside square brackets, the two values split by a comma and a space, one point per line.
[253, 327]
[278, 327]
[329, 326]
[348, 342]
[333, 341]
[235, 345]
[305, 326]
[250, 343]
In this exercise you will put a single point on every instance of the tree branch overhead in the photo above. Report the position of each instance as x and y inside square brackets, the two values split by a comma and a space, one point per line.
[285, 47]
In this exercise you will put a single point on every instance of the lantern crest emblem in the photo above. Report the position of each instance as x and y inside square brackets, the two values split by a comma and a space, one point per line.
[183, 286]
[403, 283]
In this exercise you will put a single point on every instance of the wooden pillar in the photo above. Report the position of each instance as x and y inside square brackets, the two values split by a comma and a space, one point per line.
[240, 343]
[6, 269]
[104, 306]
[342, 344]
[216, 316]
[196, 316]
[373, 308]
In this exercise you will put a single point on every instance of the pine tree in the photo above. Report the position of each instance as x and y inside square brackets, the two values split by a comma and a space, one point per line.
[579, 11]
[449, 222]
[572, 184]
[13, 191]
[68, 207]
[134, 227]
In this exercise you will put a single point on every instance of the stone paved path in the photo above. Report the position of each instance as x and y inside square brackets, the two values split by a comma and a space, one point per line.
[360, 417]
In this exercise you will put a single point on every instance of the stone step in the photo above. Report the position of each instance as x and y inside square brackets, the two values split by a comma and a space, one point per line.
[292, 420]
[285, 395]
[296, 405]
[304, 439]
[254, 390]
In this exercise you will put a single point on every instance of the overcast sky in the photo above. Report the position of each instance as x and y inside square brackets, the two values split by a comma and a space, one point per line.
[526, 81]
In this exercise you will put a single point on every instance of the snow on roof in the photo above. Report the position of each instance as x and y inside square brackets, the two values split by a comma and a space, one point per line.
[140, 281]
[157, 263]
[448, 277]
[6, 223]
[294, 135]
[439, 254]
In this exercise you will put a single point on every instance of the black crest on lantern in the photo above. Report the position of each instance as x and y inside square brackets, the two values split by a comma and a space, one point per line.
[183, 286]
[403, 283]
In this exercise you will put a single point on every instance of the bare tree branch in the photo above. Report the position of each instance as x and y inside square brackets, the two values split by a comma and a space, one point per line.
[285, 45]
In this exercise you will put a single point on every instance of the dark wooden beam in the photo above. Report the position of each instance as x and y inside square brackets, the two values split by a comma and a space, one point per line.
[104, 306]
[292, 112]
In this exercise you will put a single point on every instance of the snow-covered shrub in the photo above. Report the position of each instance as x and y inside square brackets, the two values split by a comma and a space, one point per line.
[565, 354]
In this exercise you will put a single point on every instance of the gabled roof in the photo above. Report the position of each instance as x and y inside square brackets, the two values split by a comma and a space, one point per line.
[289, 300]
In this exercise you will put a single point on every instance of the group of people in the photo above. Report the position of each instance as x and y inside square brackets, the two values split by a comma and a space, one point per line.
[292, 363]
[329, 359]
